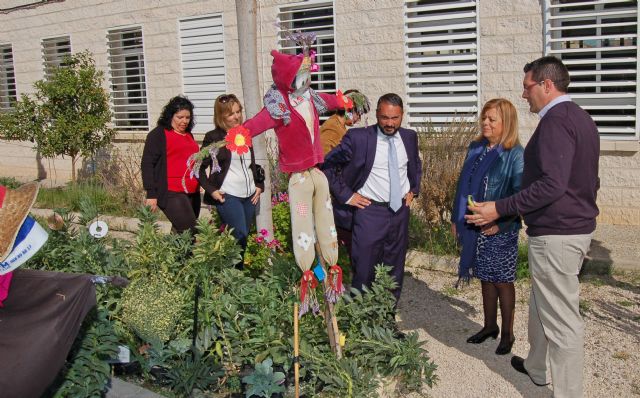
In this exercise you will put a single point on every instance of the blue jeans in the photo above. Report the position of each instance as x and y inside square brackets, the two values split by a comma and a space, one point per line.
[238, 214]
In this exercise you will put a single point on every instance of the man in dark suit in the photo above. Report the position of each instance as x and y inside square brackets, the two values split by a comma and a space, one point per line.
[375, 172]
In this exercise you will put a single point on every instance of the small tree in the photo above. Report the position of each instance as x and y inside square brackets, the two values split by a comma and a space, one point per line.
[67, 115]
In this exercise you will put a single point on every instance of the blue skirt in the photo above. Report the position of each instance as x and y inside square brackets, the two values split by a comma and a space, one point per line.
[496, 257]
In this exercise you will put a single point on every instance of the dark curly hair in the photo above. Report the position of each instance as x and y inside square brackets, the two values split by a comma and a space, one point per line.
[175, 105]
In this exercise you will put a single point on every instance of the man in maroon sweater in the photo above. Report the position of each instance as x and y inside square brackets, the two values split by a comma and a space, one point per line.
[558, 204]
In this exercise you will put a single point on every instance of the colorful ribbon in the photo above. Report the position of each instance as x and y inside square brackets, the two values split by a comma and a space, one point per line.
[308, 298]
[335, 288]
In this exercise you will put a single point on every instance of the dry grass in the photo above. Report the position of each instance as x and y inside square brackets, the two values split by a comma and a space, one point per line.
[442, 152]
[119, 173]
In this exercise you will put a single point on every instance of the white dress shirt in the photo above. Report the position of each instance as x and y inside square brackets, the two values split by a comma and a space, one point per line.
[376, 187]
[556, 101]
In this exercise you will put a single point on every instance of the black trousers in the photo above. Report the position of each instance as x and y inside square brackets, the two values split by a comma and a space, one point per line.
[182, 210]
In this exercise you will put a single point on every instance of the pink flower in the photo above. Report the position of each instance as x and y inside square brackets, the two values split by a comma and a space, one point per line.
[264, 232]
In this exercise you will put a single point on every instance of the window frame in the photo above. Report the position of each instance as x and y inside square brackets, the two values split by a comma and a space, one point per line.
[601, 104]
[143, 105]
[207, 109]
[11, 98]
[430, 98]
[56, 61]
[280, 39]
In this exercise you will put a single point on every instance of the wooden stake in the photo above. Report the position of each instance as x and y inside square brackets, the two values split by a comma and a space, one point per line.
[329, 314]
[296, 351]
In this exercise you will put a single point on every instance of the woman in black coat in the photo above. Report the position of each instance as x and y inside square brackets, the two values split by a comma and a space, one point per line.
[164, 164]
[235, 189]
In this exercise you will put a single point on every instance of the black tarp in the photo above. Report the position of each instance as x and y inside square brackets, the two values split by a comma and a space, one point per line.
[38, 324]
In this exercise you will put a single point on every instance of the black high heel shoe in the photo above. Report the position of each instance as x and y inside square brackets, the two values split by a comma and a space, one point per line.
[505, 345]
[484, 334]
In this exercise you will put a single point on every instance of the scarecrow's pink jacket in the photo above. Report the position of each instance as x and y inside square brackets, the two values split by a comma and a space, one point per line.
[296, 151]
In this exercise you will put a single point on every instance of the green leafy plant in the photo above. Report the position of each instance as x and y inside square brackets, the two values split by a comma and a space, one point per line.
[264, 382]
[522, 266]
[242, 320]
[282, 220]
[190, 371]
[68, 113]
[260, 250]
[9, 182]
[152, 306]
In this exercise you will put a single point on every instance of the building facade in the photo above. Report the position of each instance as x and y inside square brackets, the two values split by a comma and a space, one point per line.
[445, 58]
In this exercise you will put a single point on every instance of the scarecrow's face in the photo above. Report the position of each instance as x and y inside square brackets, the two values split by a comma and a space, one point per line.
[303, 78]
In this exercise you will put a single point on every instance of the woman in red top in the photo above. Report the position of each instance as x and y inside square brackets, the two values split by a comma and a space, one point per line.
[164, 163]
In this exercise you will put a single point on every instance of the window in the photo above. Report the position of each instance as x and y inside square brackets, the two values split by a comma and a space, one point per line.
[8, 94]
[53, 52]
[314, 17]
[441, 58]
[127, 79]
[203, 69]
[598, 42]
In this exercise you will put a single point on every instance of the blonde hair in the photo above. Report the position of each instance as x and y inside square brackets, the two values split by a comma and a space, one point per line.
[223, 107]
[509, 117]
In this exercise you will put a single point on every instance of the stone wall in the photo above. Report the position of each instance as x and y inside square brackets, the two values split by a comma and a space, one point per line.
[511, 34]
[369, 53]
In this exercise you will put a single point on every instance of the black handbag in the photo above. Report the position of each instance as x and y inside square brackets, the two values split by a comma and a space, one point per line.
[259, 174]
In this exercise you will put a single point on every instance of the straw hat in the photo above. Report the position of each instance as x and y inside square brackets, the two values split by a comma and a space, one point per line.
[14, 208]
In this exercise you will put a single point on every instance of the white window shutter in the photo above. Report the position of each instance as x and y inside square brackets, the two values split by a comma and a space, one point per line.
[8, 92]
[53, 52]
[317, 17]
[441, 61]
[203, 65]
[127, 79]
[598, 42]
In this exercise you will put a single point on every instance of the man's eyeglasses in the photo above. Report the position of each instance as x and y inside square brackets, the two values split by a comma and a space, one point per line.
[224, 98]
[529, 86]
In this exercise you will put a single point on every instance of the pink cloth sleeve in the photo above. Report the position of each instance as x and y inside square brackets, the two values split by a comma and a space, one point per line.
[5, 282]
[260, 123]
[331, 100]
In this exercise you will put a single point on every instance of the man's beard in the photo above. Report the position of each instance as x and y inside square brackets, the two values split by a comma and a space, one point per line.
[395, 130]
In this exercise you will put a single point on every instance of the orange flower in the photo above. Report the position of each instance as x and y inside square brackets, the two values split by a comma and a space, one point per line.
[238, 140]
[344, 101]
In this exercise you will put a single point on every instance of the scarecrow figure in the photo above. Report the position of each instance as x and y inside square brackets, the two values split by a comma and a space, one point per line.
[40, 311]
[291, 108]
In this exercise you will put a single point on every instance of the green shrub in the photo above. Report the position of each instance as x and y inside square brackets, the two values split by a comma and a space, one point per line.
[282, 220]
[10, 182]
[436, 239]
[522, 267]
[151, 307]
[241, 320]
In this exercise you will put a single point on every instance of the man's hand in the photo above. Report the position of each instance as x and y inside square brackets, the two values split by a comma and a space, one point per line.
[152, 203]
[408, 198]
[256, 196]
[359, 201]
[483, 213]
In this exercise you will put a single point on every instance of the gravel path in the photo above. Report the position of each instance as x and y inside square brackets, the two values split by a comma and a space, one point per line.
[445, 317]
